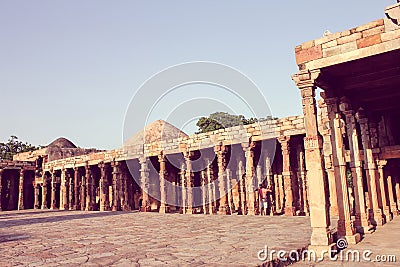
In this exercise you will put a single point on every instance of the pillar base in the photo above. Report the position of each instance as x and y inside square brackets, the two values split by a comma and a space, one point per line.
[376, 217]
[387, 214]
[188, 211]
[290, 211]
[353, 239]
[251, 212]
[163, 209]
[362, 230]
[145, 209]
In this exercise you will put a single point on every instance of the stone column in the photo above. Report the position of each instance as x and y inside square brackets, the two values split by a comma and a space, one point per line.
[204, 191]
[382, 190]
[375, 213]
[321, 238]
[124, 189]
[89, 188]
[290, 209]
[345, 224]
[221, 151]
[277, 189]
[83, 191]
[104, 195]
[53, 191]
[210, 182]
[249, 154]
[1, 188]
[397, 190]
[144, 183]
[21, 190]
[242, 188]
[44, 192]
[64, 190]
[393, 206]
[163, 188]
[361, 218]
[116, 202]
[189, 182]
[71, 187]
[77, 185]
[36, 196]
[229, 190]
[182, 175]
[303, 183]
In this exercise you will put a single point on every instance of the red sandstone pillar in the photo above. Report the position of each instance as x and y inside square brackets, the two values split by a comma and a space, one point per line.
[189, 182]
[77, 203]
[393, 206]
[242, 188]
[104, 195]
[144, 179]
[290, 210]
[36, 188]
[89, 188]
[53, 191]
[44, 192]
[249, 154]
[382, 190]
[21, 190]
[70, 191]
[221, 151]
[182, 176]
[116, 202]
[163, 188]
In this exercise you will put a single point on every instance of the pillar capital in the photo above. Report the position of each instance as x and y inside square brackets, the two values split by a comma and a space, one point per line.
[161, 156]
[381, 163]
[305, 79]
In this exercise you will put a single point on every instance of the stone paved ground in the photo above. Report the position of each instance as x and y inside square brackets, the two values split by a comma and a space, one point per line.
[76, 238]
[384, 242]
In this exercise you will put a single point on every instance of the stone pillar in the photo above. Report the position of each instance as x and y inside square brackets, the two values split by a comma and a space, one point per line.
[321, 238]
[229, 190]
[71, 187]
[64, 190]
[83, 191]
[204, 191]
[104, 195]
[210, 182]
[375, 213]
[393, 206]
[89, 188]
[221, 151]
[144, 183]
[44, 192]
[116, 202]
[345, 224]
[36, 196]
[242, 188]
[163, 188]
[21, 190]
[53, 191]
[189, 182]
[124, 191]
[304, 187]
[1, 188]
[361, 218]
[249, 154]
[397, 190]
[182, 175]
[290, 209]
[277, 189]
[77, 201]
[382, 190]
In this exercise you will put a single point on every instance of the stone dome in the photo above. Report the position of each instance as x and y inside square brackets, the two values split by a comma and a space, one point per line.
[155, 132]
[61, 143]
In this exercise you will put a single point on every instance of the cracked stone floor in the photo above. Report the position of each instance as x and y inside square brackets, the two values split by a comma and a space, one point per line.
[79, 238]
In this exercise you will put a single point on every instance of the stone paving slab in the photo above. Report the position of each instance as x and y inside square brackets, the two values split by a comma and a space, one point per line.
[79, 238]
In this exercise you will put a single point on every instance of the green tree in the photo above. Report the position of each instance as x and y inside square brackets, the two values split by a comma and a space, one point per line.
[14, 146]
[221, 120]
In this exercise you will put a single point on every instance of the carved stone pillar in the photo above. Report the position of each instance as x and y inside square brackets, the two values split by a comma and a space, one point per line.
[124, 188]
[393, 206]
[182, 175]
[163, 188]
[53, 191]
[89, 188]
[277, 190]
[397, 190]
[337, 125]
[144, 181]
[189, 182]
[290, 209]
[104, 195]
[221, 152]
[44, 192]
[204, 191]
[71, 183]
[77, 185]
[382, 190]
[229, 190]
[242, 188]
[116, 204]
[321, 239]
[304, 187]
[21, 190]
[1, 189]
[36, 204]
[361, 218]
[83, 191]
[249, 154]
[375, 213]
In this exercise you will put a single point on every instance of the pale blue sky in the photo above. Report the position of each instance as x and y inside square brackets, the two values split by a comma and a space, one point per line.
[70, 68]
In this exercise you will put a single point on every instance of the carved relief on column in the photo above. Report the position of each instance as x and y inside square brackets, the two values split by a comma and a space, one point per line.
[361, 217]
[250, 196]
[337, 127]
[290, 209]
[189, 181]
[221, 152]
[21, 190]
[375, 213]
[83, 191]
[242, 188]
[204, 191]
[64, 190]
[44, 192]
[321, 238]
[89, 188]
[71, 191]
[303, 182]
[392, 201]
[382, 191]
[53, 190]
[36, 192]
[182, 175]
[77, 185]
[229, 190]
[116, 204]
[103, 187]
[163, 187]
[1, 188]
[144, 181]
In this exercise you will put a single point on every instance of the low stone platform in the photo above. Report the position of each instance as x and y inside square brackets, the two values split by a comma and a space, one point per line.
[76, 238]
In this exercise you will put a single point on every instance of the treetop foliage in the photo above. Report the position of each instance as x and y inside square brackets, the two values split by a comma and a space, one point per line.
[14, 146]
